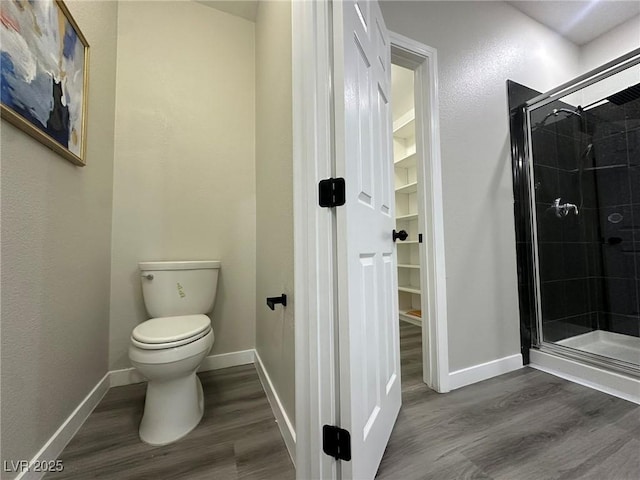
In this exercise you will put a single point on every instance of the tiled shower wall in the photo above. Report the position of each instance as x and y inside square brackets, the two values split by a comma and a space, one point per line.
[615, 133]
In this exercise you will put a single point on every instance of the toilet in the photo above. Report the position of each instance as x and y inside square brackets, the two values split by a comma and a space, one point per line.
[169, 348]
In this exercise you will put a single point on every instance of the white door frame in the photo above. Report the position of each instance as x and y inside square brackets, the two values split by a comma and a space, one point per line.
[314, 231]
[423, 60]
[316, 388]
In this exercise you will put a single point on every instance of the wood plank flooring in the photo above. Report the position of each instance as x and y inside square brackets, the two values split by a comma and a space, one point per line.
[238, 437]
[519, 426]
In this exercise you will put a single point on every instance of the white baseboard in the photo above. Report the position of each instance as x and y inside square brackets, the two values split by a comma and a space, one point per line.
[286, 428]
[128, 376]
[225, 360]
[484, 371]
[125, 376]
[54, 446]
[590, 376]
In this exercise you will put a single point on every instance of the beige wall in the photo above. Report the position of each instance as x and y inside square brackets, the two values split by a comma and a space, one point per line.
[274, 191]
[56, 231]
[481, 45]
[184, 182]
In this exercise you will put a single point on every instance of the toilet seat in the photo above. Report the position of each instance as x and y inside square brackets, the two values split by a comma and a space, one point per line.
[169, 332]
[165, 356]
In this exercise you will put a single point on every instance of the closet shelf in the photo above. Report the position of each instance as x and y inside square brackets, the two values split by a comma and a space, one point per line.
[407, 161]
[404, 127]
[411, 216]
[408, 188]
[404, 315]
[409, 289]
[406, 265]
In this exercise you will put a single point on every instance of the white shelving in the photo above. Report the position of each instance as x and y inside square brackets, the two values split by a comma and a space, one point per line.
[404, 315]
[406, 161]
[406, 190]
[411, 216]
[409, 289]
[404, 127]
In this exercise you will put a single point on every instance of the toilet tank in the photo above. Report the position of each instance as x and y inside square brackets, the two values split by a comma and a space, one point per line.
[179, 288]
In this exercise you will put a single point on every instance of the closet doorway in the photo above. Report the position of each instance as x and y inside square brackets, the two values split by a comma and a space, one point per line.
[408, 251]
[418, 202]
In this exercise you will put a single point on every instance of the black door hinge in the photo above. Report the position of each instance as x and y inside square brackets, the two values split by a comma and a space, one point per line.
[336, 442]
[331, 192]
[419, 238]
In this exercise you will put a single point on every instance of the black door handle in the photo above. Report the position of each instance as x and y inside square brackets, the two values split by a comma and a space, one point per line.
[402, 235]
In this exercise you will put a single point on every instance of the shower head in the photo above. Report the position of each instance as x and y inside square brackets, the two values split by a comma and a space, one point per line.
[557, 111]
[626, 95]
[577, 111]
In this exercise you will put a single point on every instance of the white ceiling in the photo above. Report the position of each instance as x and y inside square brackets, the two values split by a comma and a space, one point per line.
[247, 9]
[580, 21]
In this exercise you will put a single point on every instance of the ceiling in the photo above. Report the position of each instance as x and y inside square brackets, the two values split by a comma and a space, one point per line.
[580, 21]
[247, 9]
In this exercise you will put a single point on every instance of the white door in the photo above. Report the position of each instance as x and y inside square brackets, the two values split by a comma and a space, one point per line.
[369, 348]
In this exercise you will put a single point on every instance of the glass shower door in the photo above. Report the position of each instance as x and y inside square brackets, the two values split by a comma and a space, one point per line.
[585, 182]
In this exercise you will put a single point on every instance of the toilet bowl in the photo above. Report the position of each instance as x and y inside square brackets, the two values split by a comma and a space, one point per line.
[174, 403]
[168, 350]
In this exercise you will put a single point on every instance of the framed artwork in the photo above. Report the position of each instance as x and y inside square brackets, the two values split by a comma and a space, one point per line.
[44, 63]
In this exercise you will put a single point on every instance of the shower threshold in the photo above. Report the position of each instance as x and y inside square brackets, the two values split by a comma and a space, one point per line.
[607, 344]
[580, 359]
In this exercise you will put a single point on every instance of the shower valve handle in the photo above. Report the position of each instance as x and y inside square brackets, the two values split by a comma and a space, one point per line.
[571, 207]
[564, 209]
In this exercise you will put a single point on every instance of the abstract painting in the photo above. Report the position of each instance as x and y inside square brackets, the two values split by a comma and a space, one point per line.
[43, 67]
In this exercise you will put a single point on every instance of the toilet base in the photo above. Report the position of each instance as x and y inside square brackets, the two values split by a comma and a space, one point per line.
[172, 409]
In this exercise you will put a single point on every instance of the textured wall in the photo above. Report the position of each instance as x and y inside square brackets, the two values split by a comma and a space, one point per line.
[481, 45]
[184, 182]
[616, 42]
[56, 237]
[274, 190]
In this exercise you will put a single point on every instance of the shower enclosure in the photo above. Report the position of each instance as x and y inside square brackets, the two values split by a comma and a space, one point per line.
[576, 172]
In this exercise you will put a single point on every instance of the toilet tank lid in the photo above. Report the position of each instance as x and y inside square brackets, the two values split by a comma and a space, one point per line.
[180, 265]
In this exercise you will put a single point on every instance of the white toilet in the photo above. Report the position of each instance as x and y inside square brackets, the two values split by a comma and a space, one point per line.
[168, 348]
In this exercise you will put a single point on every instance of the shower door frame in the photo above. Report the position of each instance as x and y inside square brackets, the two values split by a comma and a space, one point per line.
[611, 68]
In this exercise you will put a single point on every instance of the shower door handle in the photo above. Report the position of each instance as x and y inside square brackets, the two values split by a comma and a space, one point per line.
[402, 235]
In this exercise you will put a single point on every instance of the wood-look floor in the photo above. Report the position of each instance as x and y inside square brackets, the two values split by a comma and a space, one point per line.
[519, 426]
[238, 437]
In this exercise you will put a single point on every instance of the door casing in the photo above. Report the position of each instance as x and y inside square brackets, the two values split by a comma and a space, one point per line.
[423, 60]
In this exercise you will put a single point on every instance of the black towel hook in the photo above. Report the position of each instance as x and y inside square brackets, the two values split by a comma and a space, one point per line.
[272, 301]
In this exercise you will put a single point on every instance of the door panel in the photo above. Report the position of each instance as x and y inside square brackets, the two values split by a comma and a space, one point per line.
[369, 349]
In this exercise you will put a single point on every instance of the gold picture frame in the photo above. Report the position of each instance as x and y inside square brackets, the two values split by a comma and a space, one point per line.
[45, 71]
